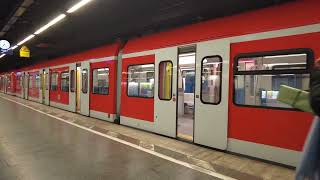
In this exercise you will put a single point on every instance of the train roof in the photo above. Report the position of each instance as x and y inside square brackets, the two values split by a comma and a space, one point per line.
[100, 52]
[293, 14]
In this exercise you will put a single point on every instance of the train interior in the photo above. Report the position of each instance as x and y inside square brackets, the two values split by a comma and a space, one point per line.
[186, 90]
[43, 92]
[78, 89]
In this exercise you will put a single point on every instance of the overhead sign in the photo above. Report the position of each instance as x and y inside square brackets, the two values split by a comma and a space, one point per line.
[25, 52]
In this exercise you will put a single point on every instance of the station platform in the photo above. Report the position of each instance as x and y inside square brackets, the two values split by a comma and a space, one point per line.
[42, 142]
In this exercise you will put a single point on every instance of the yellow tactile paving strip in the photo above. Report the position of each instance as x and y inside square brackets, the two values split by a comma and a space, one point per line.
[231, 165]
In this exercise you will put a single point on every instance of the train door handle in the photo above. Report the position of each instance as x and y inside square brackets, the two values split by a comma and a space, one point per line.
[197, 96]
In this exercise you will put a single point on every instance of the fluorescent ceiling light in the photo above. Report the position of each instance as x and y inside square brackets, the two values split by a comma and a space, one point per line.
[283, 56]
[2, 55]
[26, 39]
[187, 54]
[14, 47]
[147, 65]
[104, 69]
[78, 6]
[51, 23]
[279, 64]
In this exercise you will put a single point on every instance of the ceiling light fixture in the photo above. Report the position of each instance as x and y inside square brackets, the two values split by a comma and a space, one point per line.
[3, 55]
[14, 47]
[26, 39]
[51, 23]
[78, 6]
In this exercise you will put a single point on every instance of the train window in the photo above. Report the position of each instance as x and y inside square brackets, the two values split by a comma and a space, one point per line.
[54, 81]
[211, 71]
[257, 80]
[72, 81]
[65, 82]
[47, 80]
[165, 80]
[37, 76]
[141, 81]
[84, 81]
[41, 80]
[30, 77]
[100, 81]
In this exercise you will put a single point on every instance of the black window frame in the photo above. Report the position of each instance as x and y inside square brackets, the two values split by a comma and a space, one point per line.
[220, 94]
[92, 92]
[170, 80]
[310, 63]
[64, 72]
[154, 68]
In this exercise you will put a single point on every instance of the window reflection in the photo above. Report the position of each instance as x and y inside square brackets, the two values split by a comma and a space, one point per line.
[100, 81]
[211, 80]
[141, 80]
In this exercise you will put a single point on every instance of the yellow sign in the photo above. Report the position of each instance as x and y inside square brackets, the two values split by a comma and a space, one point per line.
[25, 52]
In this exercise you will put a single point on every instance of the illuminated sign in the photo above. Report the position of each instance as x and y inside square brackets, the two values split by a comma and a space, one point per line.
[24, 52]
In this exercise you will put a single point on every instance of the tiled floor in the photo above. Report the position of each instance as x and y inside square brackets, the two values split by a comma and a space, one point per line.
[231, 165]
[39, 147]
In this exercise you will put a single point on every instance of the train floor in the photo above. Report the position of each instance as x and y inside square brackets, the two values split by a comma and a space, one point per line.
[41, 142]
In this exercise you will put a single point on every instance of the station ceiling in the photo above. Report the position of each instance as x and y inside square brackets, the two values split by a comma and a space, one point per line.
[101, 22]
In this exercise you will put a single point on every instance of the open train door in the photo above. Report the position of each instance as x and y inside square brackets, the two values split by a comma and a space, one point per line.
[46, 75]
[211, 101]
[85, 90]
[165, 91]
[42, 86]
[72, 89]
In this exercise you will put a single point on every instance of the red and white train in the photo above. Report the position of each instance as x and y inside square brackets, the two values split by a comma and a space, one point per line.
[214, 83]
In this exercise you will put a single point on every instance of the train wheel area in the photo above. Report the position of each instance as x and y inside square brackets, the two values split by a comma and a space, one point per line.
[47, 146]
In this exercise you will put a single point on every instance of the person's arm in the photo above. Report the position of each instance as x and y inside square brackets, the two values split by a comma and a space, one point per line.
[315, 91]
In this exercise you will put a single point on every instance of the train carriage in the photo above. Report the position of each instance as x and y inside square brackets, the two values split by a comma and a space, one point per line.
[69, 82]
[216, 83]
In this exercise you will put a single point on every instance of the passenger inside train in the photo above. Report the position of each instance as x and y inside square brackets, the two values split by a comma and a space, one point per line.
[262, 90]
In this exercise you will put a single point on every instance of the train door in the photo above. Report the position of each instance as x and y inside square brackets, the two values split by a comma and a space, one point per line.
[186, 92]
[165, 94]
[211, 102]
[42, 86]
[73, 90]
[45, 86]
[1, 84]
[26, 85]
[85, 90]
[5, 84]
[22, 85]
